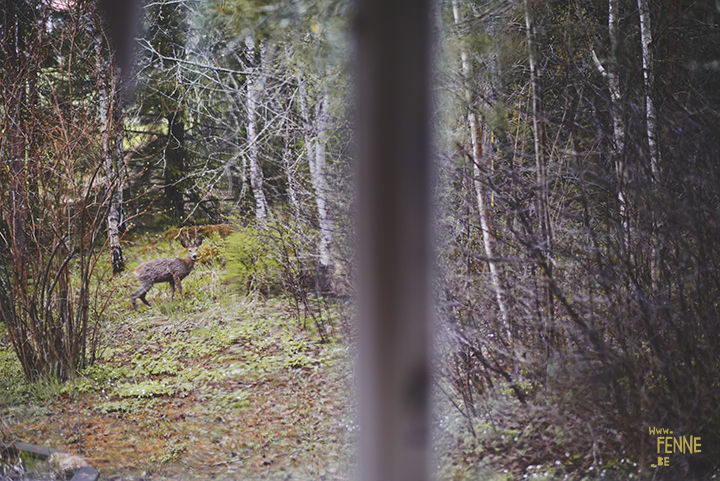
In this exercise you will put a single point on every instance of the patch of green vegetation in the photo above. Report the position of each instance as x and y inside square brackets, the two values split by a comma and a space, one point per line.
[145, 389]
[156, 364]
[128, 405]
[252, 261]
[299, 354]
[97, 377]
[194, 378]
[235, 401]
[13, 388]
[172, 452]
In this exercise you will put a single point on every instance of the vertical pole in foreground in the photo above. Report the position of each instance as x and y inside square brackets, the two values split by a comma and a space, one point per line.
[394, 138]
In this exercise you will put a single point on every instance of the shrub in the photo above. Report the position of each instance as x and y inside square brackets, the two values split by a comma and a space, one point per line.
[252, 260]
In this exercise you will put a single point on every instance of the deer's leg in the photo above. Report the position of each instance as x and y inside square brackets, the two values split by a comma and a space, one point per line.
[179, 286]
[142, 298]
[134, 296]
[172, 289]
[140, 294]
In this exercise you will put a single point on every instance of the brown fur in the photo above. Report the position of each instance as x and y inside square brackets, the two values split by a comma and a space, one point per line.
[170, 270]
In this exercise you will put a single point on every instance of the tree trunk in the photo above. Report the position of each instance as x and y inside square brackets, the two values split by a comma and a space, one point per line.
[612, 76]
[674, 42]
[256, 174]
[394, 248]
[542, 203]
[315, 140]
[290, 165]
[651, 123]
[649, 81]
[109, 106]
[175, 166]
[307, 127]
[543, 211]
[319, 181]
[479, 159]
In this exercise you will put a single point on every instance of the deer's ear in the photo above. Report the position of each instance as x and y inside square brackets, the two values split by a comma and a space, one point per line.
[198, 241]
[183, 243]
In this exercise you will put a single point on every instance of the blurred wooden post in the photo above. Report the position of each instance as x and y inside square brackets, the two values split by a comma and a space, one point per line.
[393, 136]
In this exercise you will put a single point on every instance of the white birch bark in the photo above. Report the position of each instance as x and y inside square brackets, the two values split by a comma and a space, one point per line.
[256, 174]
[543, 210]
[612, 77]
[476, 143]
[307, 126]
[242, 188]
[649, 80]
[315, 140]
[110, 120]
[651, 119]
[319, 181]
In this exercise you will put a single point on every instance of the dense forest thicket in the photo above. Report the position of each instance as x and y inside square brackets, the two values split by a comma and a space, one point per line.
[577, 198]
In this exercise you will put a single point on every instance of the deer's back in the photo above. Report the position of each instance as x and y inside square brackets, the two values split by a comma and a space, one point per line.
[162, 270]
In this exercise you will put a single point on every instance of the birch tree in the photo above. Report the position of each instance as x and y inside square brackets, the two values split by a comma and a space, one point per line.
[111, 132]
[649, 84]
[319, 181]
[252, 93]
[315, 131]
[611, 74]
[480, 158]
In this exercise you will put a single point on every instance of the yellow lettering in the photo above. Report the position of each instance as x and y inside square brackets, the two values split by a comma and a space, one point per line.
[660, 461]
[652, 430]
[687, 444]
[696, 445]
[678, 445]
[660, 440]
[668, 445]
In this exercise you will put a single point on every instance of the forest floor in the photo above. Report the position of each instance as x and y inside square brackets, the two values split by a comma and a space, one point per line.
[215, 386]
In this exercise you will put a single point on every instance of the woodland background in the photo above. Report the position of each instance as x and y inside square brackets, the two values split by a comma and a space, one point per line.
[576, 190]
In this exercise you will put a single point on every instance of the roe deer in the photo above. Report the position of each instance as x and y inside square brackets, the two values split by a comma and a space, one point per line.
[170, 270]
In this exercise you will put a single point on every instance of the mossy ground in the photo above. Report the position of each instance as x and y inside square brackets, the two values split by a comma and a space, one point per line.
[217, 385]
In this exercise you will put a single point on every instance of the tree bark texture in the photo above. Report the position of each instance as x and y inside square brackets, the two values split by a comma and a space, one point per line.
[649, 82]
[612, 76]
[256, 174]
[319, 180]
[109, 110]
[538, 117]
